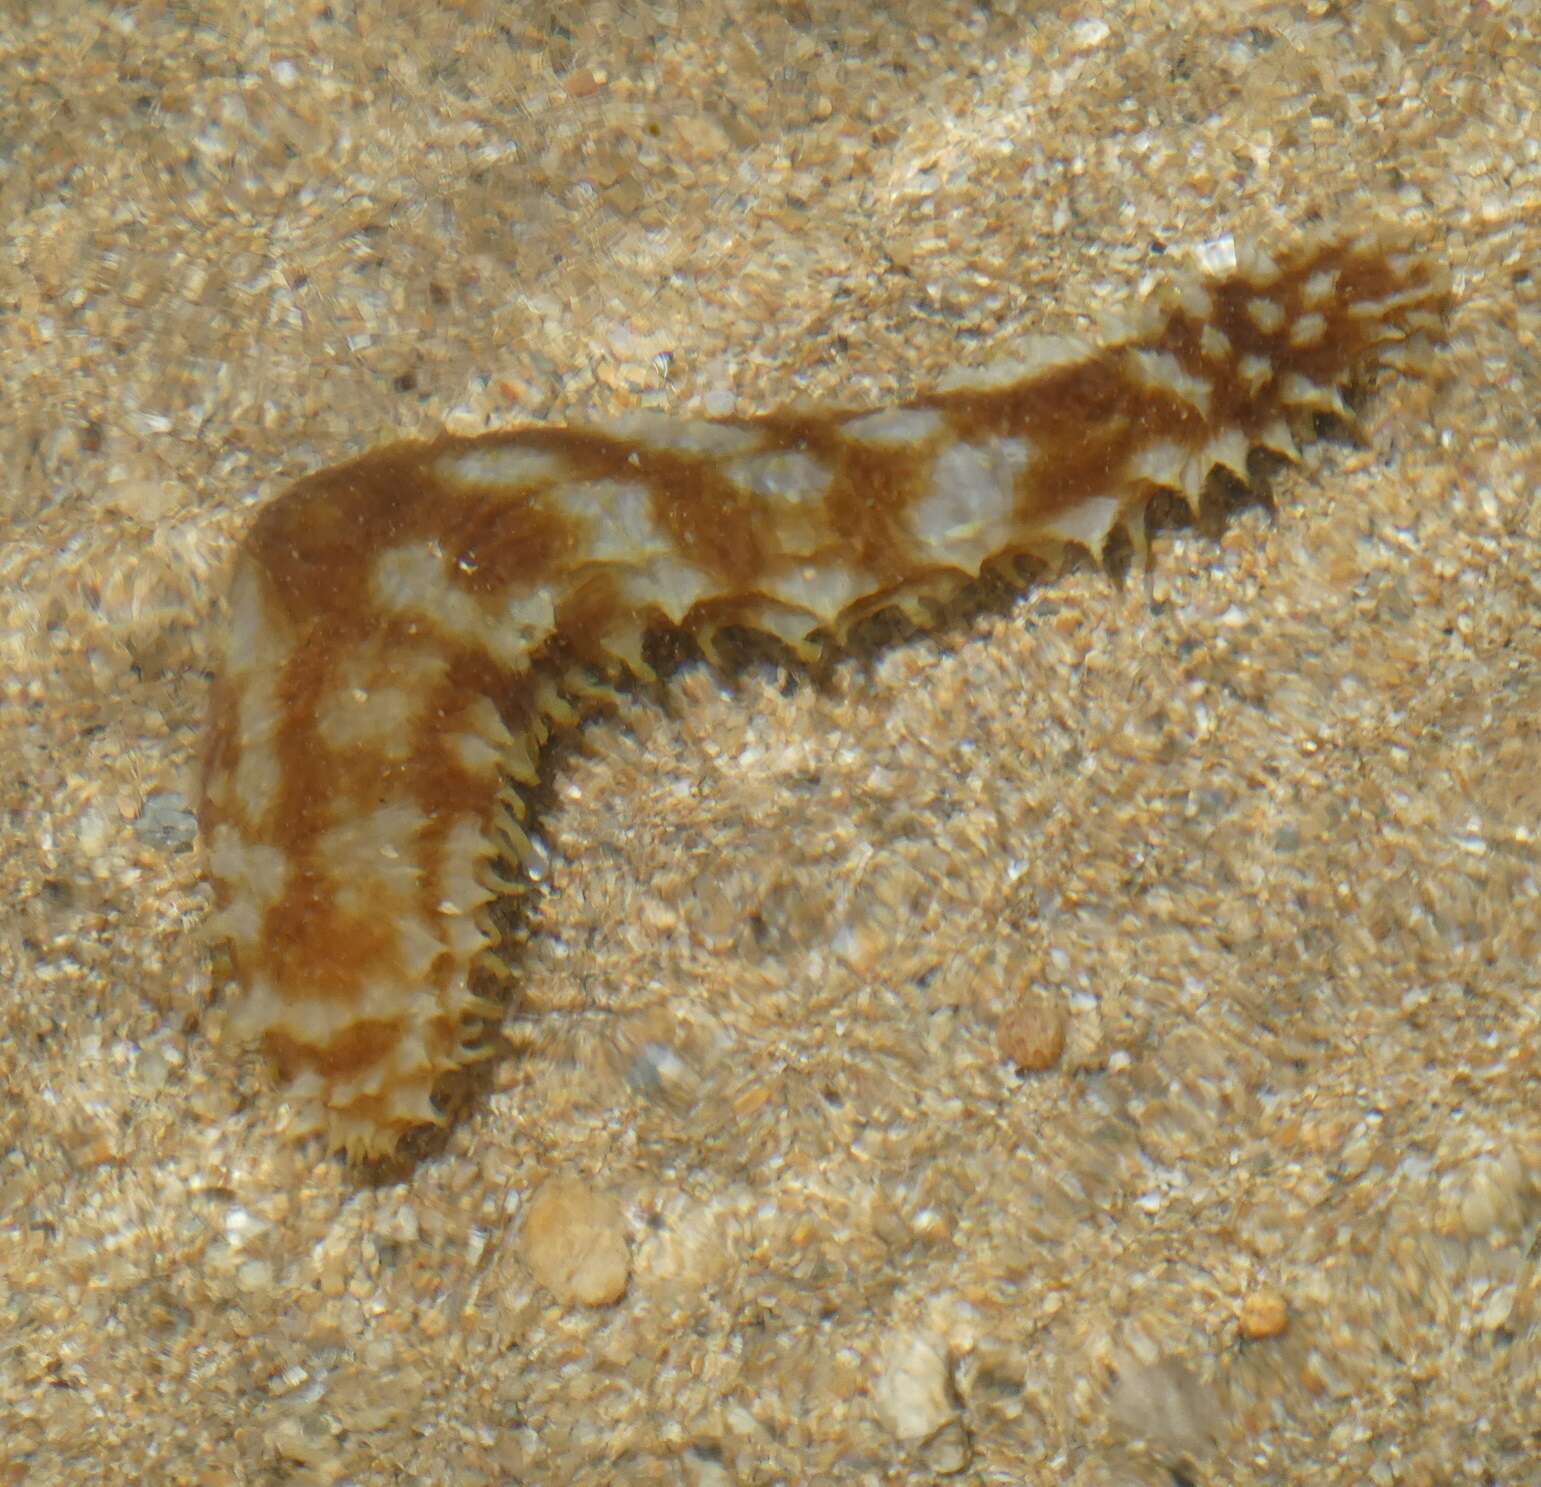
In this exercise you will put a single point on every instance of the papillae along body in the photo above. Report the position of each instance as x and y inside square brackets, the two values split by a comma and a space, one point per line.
[410, 629]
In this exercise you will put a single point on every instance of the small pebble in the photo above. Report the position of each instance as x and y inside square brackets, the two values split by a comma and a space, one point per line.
[1032, 1034]
[255, 1276]
[574, 1242]
[1167, 1407]
[948, 1452]
[1263, 1314]
[912, 1393]
[167, 823]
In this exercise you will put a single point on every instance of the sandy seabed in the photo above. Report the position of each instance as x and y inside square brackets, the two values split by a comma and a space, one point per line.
[1257, 829]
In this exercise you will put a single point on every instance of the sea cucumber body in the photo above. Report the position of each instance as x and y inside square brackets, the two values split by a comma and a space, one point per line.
[408, 629]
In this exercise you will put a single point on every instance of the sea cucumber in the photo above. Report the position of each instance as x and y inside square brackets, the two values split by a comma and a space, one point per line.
[409, 629]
